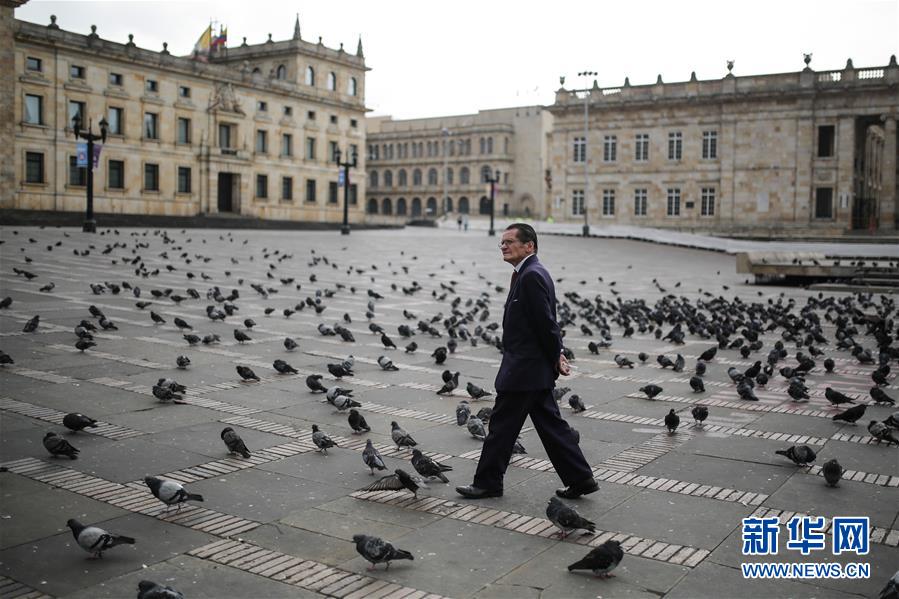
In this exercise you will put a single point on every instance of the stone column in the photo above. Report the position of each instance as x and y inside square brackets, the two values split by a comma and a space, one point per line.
[7, 101]
[888, 201]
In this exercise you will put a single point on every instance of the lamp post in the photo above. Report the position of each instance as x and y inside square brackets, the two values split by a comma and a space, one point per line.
[446, 133]
[90, 225]
[492, 181]
[345, 229]
[587, 75]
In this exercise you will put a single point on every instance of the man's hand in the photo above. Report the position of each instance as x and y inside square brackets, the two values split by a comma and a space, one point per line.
[563, 367]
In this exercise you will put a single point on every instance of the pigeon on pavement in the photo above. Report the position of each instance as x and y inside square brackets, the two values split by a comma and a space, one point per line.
[601, 560]
[700, 413]
[95, 540]
[357, 422]
[378, 551]
[77, 422]
[400, 437]
[246, 373]
[463, 411]
[832, 472]
[878, 430]
[400, 479]
[428, 467]
[651, 390]
[566, 518]
[151, 590]
[672, 421]
[57, 446]
[234, 443]
[372, 457]
[801, 455]
[322, 440]
[283, 367]
[170, 492]
[476, 428]
[852, 415]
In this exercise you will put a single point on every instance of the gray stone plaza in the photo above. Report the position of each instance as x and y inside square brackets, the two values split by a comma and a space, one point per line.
[280, 524]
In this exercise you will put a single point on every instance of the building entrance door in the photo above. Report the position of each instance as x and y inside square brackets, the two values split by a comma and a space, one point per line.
[227, 192]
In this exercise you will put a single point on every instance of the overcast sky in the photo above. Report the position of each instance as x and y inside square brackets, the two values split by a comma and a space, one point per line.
[444, 58]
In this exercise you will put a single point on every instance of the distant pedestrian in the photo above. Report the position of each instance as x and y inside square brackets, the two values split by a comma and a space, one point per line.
[459, 222]
[465, 222]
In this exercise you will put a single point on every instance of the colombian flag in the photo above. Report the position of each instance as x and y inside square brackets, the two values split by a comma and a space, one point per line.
[203, 45]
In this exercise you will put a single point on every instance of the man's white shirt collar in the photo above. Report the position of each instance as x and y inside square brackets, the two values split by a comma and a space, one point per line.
[523, 260]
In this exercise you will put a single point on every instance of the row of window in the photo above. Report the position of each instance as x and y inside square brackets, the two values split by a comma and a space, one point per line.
[79, 72]
[311, 196]
[386, 206]
[641, 147]
[640, 202]
[402, 180]
[429, 149]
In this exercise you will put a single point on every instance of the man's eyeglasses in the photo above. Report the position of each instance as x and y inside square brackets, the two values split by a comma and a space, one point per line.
[506, 242]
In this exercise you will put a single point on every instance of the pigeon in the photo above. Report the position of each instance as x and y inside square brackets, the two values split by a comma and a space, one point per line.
[576, 403]
[182, 362]
[246, 373]
[400, 437]
[283, 367]
[880, 396]
[428, 467]
[57, 446]
[170, 492]
[313, 381]
[411, 348]
[745, 391]
[439, 355]
[387, 341]
[519, 448]
[376, 550]
[601, 560]
[249, 323]
[31, 325]
[852, 415]
[234, 443]
[485, 414]
[643, 356]
[77, 422]
[801, 455]
[566, 518]
[386, 363]
[672, 421]
[892, 420]
[476, 392]
[83, 344]
[679, 363]
[697, 385]
[322, 440]
[95, 540]
[5, 358]
[241, 336]
[192, 339]
[560, 392]
[829, 364]
[700, 369]
[651, 390]
[290, 344]
[476, 428]
[151, 590]
[372, 457]
[878, 430]
[700, 413]
[709, 354]
[342, 401]
[463, 411]
[182, 324]
[211, 339]
[156, 318]
[400, 479]
[664, 361]
[163, 393]
[623, 362]
[357, 422]
[832, 472]
[339, 370]
[450, 382]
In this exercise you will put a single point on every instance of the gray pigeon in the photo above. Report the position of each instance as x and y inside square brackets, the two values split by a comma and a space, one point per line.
[372, 457]
[832, 472]
[601, 560]
[386, 363]
[343, 402]
[170, 492]
[696, 384]
[576, 403]
[400, 479]
[882, 432]
[428, 467]
[400, 437]
[463, 411]
[290, 344]
[57, 446]
[651, 390]
[147, 589]
[801, 455]
[476, 392]
[357, 422]
[246, 373]
[234, 443]
[377, 551]
[31, 325]
[566, 518]
[322, 440]
[623, 361]
[95, 540]
[476, 428]
[672, 421]
[182, 362]
[78, 422]
[241, 336]
[166, 394]
[283, 367]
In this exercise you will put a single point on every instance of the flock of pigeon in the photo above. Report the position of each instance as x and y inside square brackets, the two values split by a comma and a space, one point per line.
[730, 324]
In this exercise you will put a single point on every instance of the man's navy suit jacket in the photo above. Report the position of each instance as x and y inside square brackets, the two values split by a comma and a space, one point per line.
[531, 339]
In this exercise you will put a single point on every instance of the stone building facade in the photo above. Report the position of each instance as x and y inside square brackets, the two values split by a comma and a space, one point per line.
[806, 151]
[429, 167]
[251, 132]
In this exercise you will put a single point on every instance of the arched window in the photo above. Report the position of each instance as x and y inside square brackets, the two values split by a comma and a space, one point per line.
[432, 206]
[449, 176]
[401, 178]
[388, 179]
[485, 205]
[464, 176]
[416, 177]
[463, 205]
[452, 147]
[351, 86]
[373, 179]
[490, 145]
[416, 206]
[373, 206]
[384, 150]
[505, 145]
[421, 149]
[310, 76]
[483, 145]
[386, 206]
[401, 207]
[281, 72]
[449, 204]
[332, 81]
[432, 176]
[485, 173]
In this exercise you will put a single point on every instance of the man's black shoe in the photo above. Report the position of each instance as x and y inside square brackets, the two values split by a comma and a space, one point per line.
[473, 492]
[574, 491]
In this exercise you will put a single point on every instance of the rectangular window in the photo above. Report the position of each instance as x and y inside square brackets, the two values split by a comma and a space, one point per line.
[310, 115]
[640, 202]
[333, 119]
[332, 151]
[824, 202]
[287, 188]
[673, 201]
[608, 202]
[151, 125]
[76, 71]
[353, 191]
[332, 192]
[675, 145]
[580, 149]
[354, 123]
[354, 152]
[77, 174]
[34, 64]
[610, 148]
[310, 148]
[116, 118]
[34, 167]
[261, 141]
[310, 190]
[262, 106]
[262, 186]
[288, 111]
[115, 79]
[115, 174]
[577, 202]
[707, 202]
[34, 109]
[151, 177]
[183, 179]
[826, 135]
[225, 136]
[76, 109]
[152, 86]
[183, 130]
[709, 145]
[183, 91]
[287, 144]
[641, 147]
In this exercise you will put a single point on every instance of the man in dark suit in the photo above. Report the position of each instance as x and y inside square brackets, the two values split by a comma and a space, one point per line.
[532, 361]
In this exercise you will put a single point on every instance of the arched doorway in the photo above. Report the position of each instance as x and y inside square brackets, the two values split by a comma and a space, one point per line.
[373, 206]
[485, 205]
[432, 206]
[416, 207]
[401, 207]
[386, 206]
[463, 205]
[449, 204]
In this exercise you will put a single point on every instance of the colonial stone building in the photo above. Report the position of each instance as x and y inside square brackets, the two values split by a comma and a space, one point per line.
[433, 166]
[250, 132]
[809, 152]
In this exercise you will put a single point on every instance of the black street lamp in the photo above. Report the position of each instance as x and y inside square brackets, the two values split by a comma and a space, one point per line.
[90, 225]
[492, 181]
[345, 229]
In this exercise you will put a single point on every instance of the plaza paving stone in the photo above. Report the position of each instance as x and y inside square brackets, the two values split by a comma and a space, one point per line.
[291, 502]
